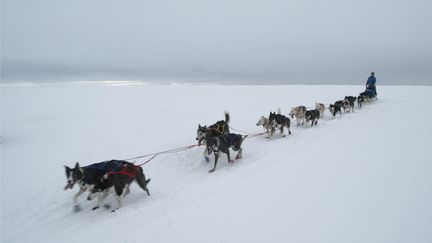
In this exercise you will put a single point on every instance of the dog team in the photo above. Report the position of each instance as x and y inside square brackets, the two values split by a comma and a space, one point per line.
[115, 176]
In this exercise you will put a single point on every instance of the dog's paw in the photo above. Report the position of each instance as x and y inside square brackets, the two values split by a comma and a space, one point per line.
[94, 208]
[77, 208]
[207, 159]
[212, 170]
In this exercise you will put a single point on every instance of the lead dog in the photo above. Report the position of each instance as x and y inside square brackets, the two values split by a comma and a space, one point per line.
[88, 176]
[120, 181]
[223, 144]
[299, 112]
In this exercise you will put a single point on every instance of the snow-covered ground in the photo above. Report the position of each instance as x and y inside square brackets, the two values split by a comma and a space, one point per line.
[362, 177]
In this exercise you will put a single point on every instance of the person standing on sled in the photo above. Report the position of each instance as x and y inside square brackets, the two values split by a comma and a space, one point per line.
[370, 85]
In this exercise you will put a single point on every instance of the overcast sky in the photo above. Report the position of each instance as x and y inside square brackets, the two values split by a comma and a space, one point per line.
[287, 41]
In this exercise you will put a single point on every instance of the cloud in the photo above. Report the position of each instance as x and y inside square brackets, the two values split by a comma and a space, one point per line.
[280, 41]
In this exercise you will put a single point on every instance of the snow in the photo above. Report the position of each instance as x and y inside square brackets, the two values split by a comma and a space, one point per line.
[362, 177]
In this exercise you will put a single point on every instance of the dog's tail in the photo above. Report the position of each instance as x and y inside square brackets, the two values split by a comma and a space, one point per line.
[141, 180]
[227, 117]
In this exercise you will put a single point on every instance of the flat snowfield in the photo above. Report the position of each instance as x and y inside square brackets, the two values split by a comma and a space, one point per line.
[360, 177]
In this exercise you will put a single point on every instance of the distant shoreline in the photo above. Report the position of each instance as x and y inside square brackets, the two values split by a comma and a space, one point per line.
[175, 83]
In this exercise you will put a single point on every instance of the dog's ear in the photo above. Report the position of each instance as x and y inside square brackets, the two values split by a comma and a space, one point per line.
[199, 126]
[67, 170]
[77, 165]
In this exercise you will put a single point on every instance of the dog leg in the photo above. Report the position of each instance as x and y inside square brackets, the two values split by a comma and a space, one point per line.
[98, 201]
[119, 198]
[120, 192]
[119, 203]
[75, 198]
[101, 196]
[229, 157]
[77, 206]
[127, 189]
[215, 163]
[207, 159]
[281, 131]
[239, 154]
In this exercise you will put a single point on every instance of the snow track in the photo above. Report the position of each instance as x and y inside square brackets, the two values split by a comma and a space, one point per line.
[362, 177]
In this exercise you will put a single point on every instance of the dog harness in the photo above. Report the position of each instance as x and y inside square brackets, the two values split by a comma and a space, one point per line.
[125, 171]
[220, 128]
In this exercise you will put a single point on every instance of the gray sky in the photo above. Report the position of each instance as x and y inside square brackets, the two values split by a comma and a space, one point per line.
[287, 41]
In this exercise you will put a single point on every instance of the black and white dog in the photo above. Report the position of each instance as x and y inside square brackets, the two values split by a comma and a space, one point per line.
[223, 144]
[360, 101]
[336, 107]
[351, 101]
[120, 181]
[313, 116]
[279, 121]
[217, 129]
[88, 176]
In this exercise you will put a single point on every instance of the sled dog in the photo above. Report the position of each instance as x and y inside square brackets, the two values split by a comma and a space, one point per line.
[313, 116]
[88, 176]
[321, 108]
[223, 144]
[120, 182]
[351, 101]
[265, 122]
[279, 121]
[217, 129]
[299, 112]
